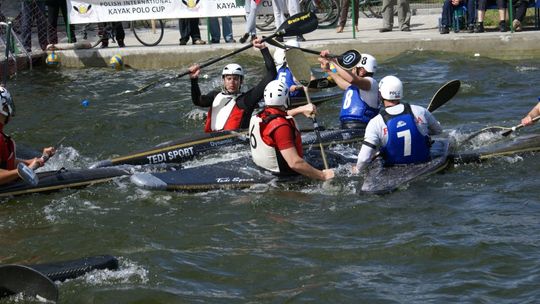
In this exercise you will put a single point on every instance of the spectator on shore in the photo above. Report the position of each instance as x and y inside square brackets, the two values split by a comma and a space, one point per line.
[449, 10]
[404, 15]
[520, 7]
[344, 15]
[226, 25]
[54, 7]
[33, 10]
[118, 33]
[482, 4]
[251, 18]
[189, 28]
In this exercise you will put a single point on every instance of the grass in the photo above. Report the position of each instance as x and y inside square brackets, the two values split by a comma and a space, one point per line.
[492, 18]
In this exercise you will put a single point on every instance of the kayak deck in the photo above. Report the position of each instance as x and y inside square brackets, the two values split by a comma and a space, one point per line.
[236, 174]
[55, 180]
[381, 179]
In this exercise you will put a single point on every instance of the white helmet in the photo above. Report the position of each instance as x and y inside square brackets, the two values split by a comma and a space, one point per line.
[6, 101]
[276, 94]
[279, 57]
[233, 69]
[368, 62]
[279, 54]
[391, 88]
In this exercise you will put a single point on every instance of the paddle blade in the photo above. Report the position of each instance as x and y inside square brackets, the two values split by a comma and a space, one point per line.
[321, 83]
[349, 59]
[299, 66]
[27, 174]
[15, 279]
[299, 24]
[444, 94]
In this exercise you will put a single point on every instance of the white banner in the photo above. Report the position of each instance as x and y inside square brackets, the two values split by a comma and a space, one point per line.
[92, 11]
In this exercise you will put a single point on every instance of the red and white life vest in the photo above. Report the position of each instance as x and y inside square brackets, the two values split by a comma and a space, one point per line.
[265, 154]
[224, 114]
[7, 152]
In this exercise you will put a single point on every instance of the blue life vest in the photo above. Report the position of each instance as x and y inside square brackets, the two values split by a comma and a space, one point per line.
[284, 74]
[354, 108]
[406, 145]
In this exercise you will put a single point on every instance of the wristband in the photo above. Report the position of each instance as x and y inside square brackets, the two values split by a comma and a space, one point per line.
[333, 68]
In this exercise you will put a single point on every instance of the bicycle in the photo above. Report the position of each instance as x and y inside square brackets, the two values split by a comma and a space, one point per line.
[147, 32]
[327, 12]
[371, 8]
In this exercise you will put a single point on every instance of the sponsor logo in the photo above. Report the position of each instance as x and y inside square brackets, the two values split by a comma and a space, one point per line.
[191, 4]
[222, 180]
[349, 58]
[84, 10]
[171, 156]
[396, 94]
[221, 142]
[401, 123]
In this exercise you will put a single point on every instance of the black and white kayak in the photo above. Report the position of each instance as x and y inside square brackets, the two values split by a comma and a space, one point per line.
[184, 149]
[38, 280]
[380, 179]
[518, 145]
[236, 174]
[55, 180]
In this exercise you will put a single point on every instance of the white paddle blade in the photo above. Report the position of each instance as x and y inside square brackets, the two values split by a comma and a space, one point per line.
[28, 175]
[299, 66]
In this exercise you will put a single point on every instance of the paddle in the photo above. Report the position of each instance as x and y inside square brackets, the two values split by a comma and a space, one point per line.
[347, 60]
[302, 72]
[444, 94]
[295, 25]
[15, 279]
[522, 144]
[504, 131]
[514, 128]
[27, 173]
[321, 83]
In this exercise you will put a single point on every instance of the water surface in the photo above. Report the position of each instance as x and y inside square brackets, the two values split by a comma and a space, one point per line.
[467, 235]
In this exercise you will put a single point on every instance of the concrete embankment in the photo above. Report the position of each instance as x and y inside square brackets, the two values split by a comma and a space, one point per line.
[423, 37]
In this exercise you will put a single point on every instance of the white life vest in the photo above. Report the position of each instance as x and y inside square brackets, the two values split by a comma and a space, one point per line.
[263, 155]
[221, 110]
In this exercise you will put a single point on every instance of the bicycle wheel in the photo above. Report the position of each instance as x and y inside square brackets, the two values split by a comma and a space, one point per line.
[265, 23]
[148, 32]
[375, 8]
[327, 11]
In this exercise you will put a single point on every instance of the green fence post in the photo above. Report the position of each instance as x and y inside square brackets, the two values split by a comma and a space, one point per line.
[353, 18]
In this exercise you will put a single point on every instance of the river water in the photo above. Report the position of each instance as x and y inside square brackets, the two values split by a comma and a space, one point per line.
[467, 235]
